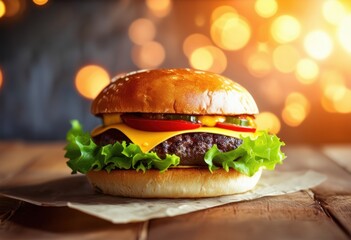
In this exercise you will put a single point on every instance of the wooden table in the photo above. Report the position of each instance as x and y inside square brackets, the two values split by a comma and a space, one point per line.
[323, 212]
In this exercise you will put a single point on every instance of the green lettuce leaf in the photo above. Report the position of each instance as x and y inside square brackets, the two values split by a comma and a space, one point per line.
[84, 155]
[250, 156]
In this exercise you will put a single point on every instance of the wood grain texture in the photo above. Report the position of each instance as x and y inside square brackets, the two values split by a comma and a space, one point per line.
[335, 193]
[323, 212]
[340, 153]
[292, 216]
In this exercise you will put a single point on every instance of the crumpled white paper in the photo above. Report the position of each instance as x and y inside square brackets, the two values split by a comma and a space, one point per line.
[75, 192]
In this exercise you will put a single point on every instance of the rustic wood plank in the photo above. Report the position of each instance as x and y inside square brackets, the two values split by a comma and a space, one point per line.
[7, 208]
[339, 153]
[14, 158]
[47, 165]
[32, 163]
[300, 215]
[295, 216]
[340, 208]
[304, 158]
[335, 193]
[29, 163]
[291, 216]
[33, 222]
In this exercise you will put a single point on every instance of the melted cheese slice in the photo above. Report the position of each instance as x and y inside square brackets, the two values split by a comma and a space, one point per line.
[148, 140]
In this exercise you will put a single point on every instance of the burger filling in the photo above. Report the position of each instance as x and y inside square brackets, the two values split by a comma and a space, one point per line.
[190, 147]
[158, 122]
[112, 150]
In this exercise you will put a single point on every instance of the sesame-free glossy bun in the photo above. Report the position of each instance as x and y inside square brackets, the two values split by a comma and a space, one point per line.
[174, 183]
[179, 91]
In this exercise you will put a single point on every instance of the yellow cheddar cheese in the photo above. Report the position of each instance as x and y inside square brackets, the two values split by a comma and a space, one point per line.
[148, 140]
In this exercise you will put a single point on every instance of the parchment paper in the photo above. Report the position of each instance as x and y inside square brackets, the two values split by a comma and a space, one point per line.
[75, 192]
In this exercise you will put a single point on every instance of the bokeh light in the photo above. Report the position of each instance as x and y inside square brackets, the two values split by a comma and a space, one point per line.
[2, 8]
[343, 104]
[90, 80]
[230, 31]
[149, 55]
[331, 79]
[141, 30]
[296, 109]
[40, 2]
[259, 64]
[200, 20]
[208, 58]
[298, 98]
[13, 7]
[318, 44]
[160, 8]
[307, 71]
[201, 59]
[268, 121]
[344, 33]
[266, 8]
[285, 58]
[194, 41]
[1, 78]
[221, 10]
[333, 11]
[336, 94]
[285, 29]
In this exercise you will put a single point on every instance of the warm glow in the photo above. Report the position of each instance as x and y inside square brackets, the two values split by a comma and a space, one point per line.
[2, 8]
[307, 71]
[335, 92]
[1, 78]
[195, 41]
[344, 33]
[259, 64]
[318, 44]
[285, 29]
[141, 31]
[331, 77]
[209, 58]
[298, 98]
[285, 58]
[336, 95]
[343, 105]
[296, 109]
[201, 59]
[160, 8]
[13, 7]
[40, 2]
[268, 121]
[333, 85]
[266, 8]
[333, 11]
[220, 11]
[293, 115]
[149, 55]
[338, 100]
[90, 80]
[200, 20]
[230, 32]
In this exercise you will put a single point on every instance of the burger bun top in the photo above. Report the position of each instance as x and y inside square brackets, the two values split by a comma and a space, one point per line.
[174, 91]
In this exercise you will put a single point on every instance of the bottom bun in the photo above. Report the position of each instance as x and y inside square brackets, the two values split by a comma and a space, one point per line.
[174, 183]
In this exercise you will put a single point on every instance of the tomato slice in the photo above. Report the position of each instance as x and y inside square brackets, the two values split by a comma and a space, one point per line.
[235, 127]
[156, 125]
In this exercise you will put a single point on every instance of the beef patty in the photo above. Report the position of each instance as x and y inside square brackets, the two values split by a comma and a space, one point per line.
[190, 147]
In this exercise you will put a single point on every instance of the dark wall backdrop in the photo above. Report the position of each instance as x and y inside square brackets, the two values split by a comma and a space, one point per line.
[42, 49]
[41, 52]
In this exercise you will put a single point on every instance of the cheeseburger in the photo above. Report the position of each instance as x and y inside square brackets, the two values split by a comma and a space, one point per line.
[173, 133]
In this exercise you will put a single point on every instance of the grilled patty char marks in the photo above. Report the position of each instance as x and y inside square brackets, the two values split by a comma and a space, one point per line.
[190, 147]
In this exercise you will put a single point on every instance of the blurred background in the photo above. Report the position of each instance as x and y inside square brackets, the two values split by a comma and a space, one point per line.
[293, 56]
